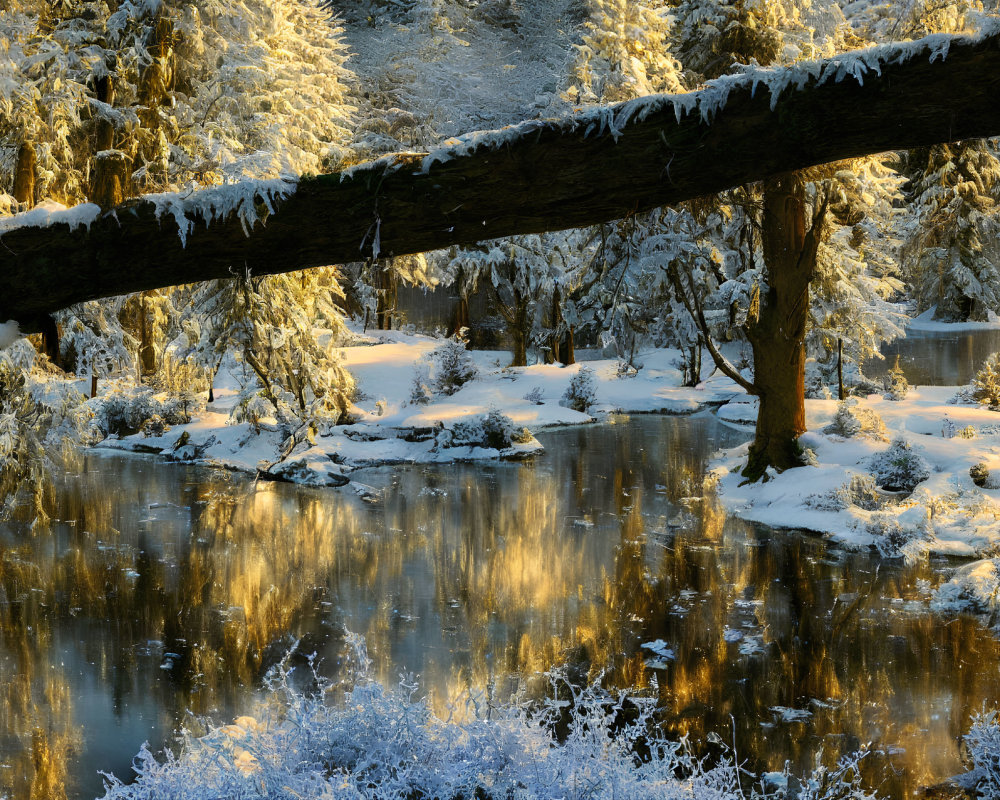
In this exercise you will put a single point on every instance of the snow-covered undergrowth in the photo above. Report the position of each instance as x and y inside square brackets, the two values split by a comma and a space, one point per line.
[369, 742]
[908, 477]
[892, 474]
[483, 416]
[982, 744]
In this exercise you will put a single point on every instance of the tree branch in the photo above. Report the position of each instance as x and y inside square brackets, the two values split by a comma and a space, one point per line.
[597, 165]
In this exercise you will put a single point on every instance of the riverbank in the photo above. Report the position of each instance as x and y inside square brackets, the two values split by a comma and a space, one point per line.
[912, 477]
[493, 415]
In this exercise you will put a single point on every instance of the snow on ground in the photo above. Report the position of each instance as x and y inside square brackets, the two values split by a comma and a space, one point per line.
[926, 322]
[391, 429]
[946, 513]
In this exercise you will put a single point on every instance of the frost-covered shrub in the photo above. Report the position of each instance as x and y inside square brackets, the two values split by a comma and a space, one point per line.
[979, 473]
[896, 385]
[252, 408]
[891, 538]
[968, 432]
[986, 384]
[862, 492]
[453, 367]
[535, 396]
[899, 468]
[626, 369]
[581, 392]
[123, 410]
[365, 742]
[853, 419]
[495, 430]
[420, 390]
[982, 747]
[154, 426]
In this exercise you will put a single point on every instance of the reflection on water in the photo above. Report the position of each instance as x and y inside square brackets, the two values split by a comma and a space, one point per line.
[167, 588]
[937, 358]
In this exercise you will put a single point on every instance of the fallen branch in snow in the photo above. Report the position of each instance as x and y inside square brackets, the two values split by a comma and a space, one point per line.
[597, 165]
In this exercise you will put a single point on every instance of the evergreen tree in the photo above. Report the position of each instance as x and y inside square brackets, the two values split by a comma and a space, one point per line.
[957, 220]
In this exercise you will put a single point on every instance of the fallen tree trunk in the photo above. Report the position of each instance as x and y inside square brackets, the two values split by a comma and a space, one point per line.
[598, 165]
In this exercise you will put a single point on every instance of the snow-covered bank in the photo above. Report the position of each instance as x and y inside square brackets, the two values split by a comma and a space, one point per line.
[486, 418]
[842, 495]
[925, 323]
[903, 487]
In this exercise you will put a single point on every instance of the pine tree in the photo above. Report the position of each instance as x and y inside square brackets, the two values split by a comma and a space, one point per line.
[948, 250]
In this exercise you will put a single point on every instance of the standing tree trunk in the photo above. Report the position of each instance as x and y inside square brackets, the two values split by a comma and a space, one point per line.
[520, 328]
[778, 335]
[386, 292]
[24, 175]
[556, 321]
[50, 339]
[460, 318]
[569, 348]
[112, 169]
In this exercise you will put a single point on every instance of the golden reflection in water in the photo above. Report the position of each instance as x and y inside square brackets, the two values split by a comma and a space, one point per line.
[480, 578]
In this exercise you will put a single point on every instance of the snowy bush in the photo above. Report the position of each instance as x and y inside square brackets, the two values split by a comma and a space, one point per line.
[852, 419]
[252, 407]
[495, 430]
[896, 385]
[982, 747]
[626, 369]
[535, 396]
[154, 426]
[898, 468]
[453, 367]
[891, 539]
[968, 432]
[420, 391]
[364, 741]
[123, 410]
[581, 392]
[986, 384]
[862, 492]
[980, 474]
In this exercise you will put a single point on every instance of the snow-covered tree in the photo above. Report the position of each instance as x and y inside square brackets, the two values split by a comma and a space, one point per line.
[624, 53]
[148, 96]
[271, 323]
[852, 310]
[949, 251]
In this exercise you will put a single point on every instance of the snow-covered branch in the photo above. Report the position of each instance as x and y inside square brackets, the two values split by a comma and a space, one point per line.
[596, 165]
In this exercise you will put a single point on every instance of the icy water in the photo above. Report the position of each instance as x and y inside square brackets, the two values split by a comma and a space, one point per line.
[933, 358]
[166, 589]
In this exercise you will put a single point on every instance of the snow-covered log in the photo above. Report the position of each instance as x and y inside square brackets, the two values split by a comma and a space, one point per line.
[596, 165]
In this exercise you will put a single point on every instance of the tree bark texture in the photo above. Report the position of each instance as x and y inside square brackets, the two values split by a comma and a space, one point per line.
[778, 335]
[542, 175]
[24, 175]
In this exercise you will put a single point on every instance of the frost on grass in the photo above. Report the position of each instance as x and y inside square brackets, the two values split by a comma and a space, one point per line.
[365, 741]
[251, 200]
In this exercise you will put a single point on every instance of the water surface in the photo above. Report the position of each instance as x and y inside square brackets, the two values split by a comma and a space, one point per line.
[164, 589]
